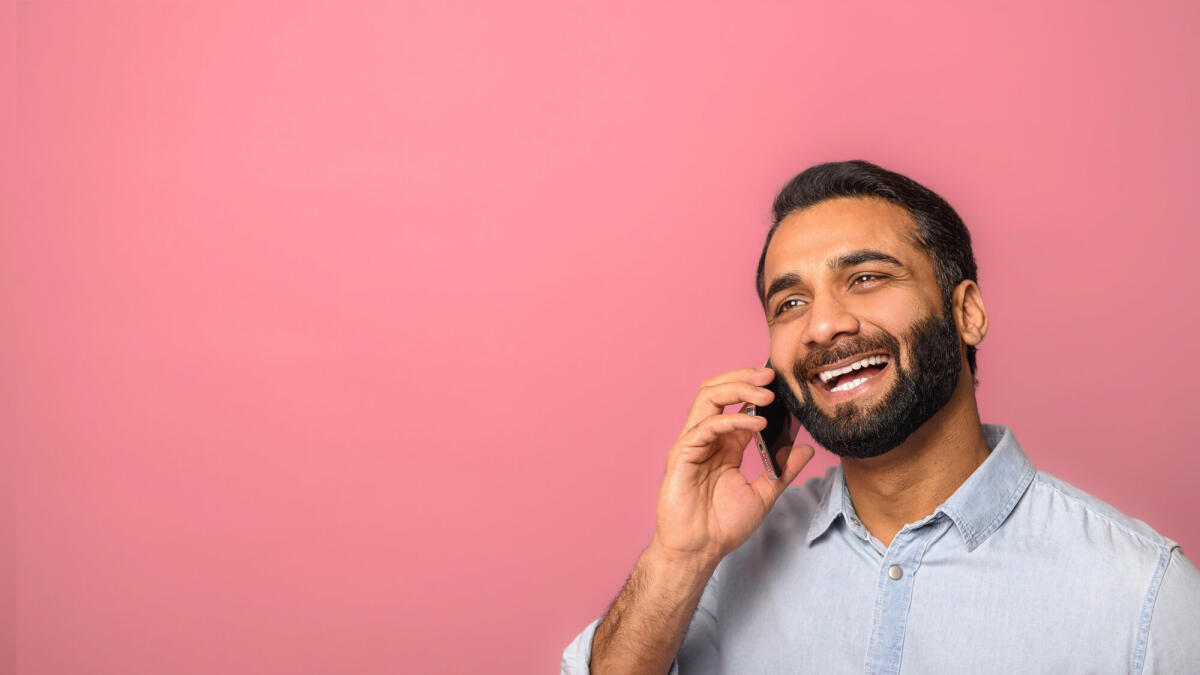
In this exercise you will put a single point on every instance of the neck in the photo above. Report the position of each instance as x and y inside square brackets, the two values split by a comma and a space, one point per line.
[907, 483]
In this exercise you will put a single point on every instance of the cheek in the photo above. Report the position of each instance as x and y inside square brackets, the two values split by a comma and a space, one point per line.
[785, 345]
[896, 318]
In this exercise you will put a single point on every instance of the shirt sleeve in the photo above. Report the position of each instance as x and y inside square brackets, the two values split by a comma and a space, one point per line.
[1171, 645]
[698, 653]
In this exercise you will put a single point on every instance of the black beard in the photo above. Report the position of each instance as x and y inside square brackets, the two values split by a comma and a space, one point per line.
[919, 392]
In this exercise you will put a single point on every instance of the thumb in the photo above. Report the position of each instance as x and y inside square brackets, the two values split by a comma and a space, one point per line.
[794, 460]
[797, 458]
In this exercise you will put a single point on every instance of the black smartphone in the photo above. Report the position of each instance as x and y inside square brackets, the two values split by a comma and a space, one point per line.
[781, 429]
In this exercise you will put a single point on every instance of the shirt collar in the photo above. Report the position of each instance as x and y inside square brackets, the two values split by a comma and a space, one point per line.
[831, 505]
[976, 508]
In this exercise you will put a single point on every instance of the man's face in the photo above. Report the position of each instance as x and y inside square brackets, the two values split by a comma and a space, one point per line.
[846, 283]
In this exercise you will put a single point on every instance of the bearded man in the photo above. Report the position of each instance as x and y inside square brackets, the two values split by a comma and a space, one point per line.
[935, 546]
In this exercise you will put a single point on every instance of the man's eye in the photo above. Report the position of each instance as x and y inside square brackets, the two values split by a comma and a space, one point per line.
[867, 276]
[786, 305]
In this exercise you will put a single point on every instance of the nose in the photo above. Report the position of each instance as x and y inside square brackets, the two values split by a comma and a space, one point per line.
[828, 318]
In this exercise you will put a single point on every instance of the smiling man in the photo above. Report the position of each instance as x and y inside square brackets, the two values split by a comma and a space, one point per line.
[935, 546]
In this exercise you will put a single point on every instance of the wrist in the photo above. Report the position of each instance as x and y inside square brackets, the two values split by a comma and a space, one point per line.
[680, 564]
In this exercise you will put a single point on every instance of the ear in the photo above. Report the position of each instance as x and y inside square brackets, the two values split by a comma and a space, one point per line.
[969, 313]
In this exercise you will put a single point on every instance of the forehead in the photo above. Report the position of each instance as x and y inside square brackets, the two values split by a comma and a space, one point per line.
[806, 238]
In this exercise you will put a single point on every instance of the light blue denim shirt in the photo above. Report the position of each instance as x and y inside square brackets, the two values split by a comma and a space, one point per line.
[1018, 572]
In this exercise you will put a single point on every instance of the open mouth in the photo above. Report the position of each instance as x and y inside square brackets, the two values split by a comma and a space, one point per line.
[850, 376]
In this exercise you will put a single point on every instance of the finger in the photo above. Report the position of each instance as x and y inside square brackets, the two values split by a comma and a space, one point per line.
[699, 443]
[712, 399]
[794, 459]
[730, 451]
[756, 375]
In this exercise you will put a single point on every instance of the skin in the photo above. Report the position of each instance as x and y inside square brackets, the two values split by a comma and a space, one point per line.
[706, 507]
[909, 482]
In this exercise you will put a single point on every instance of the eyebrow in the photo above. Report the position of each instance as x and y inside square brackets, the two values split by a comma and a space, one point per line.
[843, 261]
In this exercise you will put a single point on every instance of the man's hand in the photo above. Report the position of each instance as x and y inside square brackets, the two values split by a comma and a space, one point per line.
[706, 507]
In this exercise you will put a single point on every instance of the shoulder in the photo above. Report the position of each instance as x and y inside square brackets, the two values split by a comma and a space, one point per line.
[1102, 571]
[1064, 505]
[1085, 549]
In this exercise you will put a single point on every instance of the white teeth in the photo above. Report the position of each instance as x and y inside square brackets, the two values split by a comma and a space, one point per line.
[869, 361]
[849, 385]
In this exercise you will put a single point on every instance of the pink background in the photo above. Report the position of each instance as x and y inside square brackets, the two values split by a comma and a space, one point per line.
[350, 337]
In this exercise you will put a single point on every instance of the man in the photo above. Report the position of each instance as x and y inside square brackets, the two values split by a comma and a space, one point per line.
[935, 546]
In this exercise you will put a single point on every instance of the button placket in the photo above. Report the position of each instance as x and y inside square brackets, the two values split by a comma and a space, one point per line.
[897, 573]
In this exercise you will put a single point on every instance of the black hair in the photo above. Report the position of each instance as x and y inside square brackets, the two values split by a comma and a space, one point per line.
[940, 232]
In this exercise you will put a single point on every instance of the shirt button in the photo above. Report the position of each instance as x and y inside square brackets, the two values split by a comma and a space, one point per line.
[895, 572]
[855, 521]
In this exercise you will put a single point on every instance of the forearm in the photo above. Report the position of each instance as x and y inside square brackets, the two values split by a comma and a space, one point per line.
[642, 631]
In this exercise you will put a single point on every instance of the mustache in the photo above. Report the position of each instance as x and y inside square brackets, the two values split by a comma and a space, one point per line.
[843, 350]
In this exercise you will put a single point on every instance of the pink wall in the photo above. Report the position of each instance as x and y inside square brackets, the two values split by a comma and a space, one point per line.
[349, 338]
